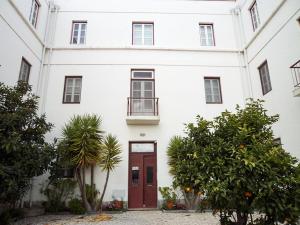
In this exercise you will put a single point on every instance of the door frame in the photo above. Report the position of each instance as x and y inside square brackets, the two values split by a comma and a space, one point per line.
[142, 153]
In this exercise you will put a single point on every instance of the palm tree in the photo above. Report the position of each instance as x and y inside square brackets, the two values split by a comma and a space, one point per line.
[111, 150]
[82, 140]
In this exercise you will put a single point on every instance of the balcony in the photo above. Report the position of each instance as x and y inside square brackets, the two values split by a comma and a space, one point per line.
[296, 78]
[142, 111]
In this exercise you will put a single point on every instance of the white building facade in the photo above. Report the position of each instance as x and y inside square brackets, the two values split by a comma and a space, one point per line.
[148, 67]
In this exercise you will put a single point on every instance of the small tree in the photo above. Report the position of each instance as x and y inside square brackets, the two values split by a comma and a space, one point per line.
[240, 168]
[110, 158]
[183, 154]
[24, 153]
[81, 144]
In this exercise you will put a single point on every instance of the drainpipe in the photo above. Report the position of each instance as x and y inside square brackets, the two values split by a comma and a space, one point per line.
[54, 10]
[243, 54]
[46, 32]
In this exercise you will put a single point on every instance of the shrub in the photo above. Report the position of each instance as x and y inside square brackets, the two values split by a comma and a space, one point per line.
[234, 161]
[76, 206]
[24, 153]
[57, 193]
[9, 215]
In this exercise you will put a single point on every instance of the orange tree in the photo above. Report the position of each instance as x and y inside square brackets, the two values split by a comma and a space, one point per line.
[240, 168]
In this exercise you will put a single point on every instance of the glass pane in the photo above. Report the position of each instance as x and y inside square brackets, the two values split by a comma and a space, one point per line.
[69, 82]
[136, 85]
[78, 82]
[137, 34]
[136, 94]
[148, 41]
[148, 94]
[68, 98]
[148, 85]
[208, 98]
[135, 176]
[148, 105]
[76, 26]
[142, 147]
[149, 175]
[69, 90]
[76, 98]
[137, 105]
[142, 74]
[77, 90]
[83, 26]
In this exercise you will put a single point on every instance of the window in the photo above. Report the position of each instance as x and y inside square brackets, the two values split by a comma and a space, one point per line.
[72, 90]
[254, 15]
[34, 12]
[78, 32]
[142, 34]
[142, 93]
[24, 70]
[207, 35]
[265, 78]
[212, 90]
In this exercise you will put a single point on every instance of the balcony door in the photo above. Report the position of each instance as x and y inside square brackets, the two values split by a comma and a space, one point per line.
[142, 93]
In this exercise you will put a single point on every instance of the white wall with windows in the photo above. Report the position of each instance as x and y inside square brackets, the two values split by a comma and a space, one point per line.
[20, 39]
[278, 44]
[192, 49]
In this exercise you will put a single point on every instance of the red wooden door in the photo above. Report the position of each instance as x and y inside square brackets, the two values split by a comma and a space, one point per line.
[150, 186]
[142, 180]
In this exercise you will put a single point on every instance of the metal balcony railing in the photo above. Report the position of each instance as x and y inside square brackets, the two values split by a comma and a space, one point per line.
[296, 73]
[142, 106]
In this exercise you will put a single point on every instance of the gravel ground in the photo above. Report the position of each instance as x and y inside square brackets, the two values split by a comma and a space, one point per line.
[127, 218]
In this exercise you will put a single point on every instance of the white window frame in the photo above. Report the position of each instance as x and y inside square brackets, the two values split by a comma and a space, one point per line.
[206, 40]
[214, 99]
[73, 89]
[265, 79]
[34, 12]
[143, 33]
[254, 16]
[24, 70]
[79, 32]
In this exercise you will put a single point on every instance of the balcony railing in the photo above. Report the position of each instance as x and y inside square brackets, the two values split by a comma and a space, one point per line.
[142, 106]
[296, 73]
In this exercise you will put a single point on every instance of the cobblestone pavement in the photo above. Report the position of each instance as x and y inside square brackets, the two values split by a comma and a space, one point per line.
[126, 218]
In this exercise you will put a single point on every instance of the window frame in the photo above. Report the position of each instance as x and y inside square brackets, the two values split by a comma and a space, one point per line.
[142, 23]
[220, 89]
[38, 4]
[253, 7]
[265, 63]
[213, 34]
[79, 34]
[142, 79]
[23, 60]
[64, 92]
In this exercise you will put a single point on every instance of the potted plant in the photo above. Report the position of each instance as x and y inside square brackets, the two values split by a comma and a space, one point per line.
[169, 196]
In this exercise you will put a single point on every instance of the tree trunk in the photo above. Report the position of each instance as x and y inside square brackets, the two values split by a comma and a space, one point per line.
[84, 198]
[78, 177]
[103, 192]
[242, 218]
[92, 187]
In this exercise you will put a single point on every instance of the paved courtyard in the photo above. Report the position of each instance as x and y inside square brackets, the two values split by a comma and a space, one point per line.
[127, 218]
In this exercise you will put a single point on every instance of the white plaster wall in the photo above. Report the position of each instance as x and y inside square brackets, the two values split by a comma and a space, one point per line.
[176, 23]
[19, 39]
[265, 8]
[105, 89]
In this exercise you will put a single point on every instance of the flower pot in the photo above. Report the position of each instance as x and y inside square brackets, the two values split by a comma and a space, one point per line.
[170, 204]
